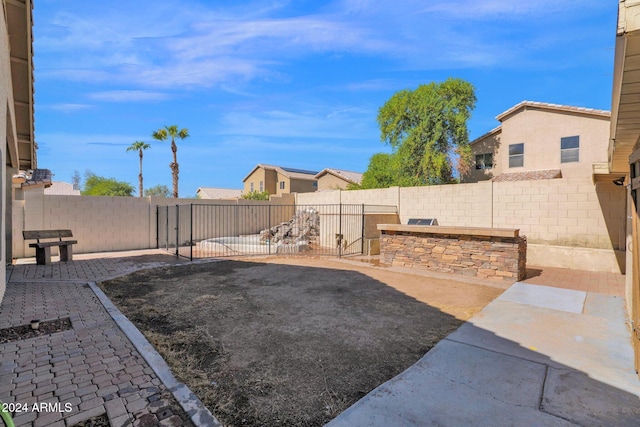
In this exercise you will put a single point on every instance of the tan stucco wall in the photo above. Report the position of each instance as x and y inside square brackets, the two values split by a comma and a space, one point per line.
[540, 132]
[302, 186]
[268, 177]
[331, 182]
[489, 144]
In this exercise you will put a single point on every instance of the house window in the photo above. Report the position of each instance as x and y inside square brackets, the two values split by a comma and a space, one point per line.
[252, 187]
[570, 149]
[315, 183]
[282, 185]
[484, 161]
[516, 155]
[261, 186]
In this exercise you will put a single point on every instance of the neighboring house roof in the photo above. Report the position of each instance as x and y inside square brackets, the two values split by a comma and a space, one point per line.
[351, 177]
[32, 178]
[493, 131]
[528, 176]
[291, 173]
[60, 188]
[553, 107]
[218, 193]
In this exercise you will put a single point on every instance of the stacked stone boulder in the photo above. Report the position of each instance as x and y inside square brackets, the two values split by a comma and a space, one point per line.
[297, 234]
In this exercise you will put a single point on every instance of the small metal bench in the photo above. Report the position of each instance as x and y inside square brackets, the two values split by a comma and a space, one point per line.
[43, 249]
[422, 221]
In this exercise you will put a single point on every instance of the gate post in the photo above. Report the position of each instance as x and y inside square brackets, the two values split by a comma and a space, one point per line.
[362, 235]
[191, 233]
[340, 230]
[177, 230]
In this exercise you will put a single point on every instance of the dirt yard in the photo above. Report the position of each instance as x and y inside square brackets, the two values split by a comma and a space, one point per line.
[290, 341]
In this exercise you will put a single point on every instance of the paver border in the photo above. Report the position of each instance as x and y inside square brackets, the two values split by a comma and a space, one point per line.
[199, 414]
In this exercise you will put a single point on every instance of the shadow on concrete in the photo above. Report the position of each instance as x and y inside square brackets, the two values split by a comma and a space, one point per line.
[517, 364]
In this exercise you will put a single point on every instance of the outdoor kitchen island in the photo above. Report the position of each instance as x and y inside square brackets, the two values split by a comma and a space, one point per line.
[487, 253]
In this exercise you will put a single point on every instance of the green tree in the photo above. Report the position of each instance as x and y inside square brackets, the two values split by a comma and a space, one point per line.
[427, 131]
[256, 195]
[163, 134]
[381, 173]
[157, 190]
[95, 185]
[139, 146]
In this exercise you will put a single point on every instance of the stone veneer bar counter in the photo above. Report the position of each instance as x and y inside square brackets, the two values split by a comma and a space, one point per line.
[487, 253]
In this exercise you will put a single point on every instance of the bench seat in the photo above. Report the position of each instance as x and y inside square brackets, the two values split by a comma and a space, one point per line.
[43, 249]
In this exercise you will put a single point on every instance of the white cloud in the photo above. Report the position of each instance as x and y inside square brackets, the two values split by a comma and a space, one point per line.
[350, 123]
[65, 108]
[171, 44]
[128, 96]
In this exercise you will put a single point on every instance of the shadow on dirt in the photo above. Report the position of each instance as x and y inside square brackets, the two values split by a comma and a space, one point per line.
[274, 344]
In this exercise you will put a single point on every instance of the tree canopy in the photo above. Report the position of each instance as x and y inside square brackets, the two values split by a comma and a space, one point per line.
[95, 185]
[172, 132]
[256, 195]
[427, 131]
[158, 190]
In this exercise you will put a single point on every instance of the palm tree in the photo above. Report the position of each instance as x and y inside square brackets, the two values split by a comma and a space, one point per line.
[173, 132]
[139, 146]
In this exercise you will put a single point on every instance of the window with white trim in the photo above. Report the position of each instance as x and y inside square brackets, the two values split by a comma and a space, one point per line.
[282, 185]
[484, 161]
[570, 149]
[516, 155]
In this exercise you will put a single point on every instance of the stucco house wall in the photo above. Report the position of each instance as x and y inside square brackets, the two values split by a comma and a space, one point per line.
[540, 127]
[16, 108]
[331, 182]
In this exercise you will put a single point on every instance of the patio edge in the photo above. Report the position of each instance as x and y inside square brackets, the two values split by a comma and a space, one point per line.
[199, 414]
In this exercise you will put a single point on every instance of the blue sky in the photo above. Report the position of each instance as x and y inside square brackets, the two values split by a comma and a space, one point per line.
[292, 83]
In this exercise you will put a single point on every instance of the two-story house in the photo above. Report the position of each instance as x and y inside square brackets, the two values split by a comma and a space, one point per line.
[279, 180]
[536, 140]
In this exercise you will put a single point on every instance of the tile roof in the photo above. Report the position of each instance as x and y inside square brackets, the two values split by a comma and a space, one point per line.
[528, 176]
[286, 171]
[59, 188]
[218, 193]
[352, 177]
[555, 107]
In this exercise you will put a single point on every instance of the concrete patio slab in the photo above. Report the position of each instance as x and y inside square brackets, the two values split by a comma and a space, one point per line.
[531, 362]
[546, 297]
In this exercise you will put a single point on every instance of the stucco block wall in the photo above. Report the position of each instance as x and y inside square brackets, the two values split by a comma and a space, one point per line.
[102, 224]
[554, 213]
[466, 205]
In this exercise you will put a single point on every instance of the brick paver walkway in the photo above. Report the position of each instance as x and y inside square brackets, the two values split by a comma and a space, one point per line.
[587, 281]
[92, 368]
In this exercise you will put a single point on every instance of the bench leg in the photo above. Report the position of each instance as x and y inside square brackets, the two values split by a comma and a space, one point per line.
[66, 253]
[43, 256]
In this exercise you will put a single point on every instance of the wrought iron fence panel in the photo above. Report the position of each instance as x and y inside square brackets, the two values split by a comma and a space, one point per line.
[219, 230]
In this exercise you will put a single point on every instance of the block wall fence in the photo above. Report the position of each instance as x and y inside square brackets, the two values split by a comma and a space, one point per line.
[560, 217]
[553, 214]
[100, 224]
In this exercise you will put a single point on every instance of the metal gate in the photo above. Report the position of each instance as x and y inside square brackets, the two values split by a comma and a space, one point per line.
[217, 230]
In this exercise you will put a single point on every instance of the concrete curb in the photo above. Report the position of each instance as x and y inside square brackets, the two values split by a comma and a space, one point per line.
[198, 413]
